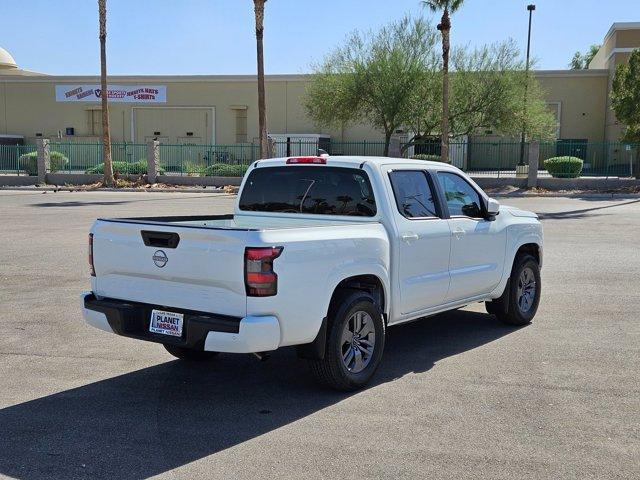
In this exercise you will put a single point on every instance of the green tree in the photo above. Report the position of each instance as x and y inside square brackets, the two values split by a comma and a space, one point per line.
[373, 77]
[106, 133]
[448, 7]
[487, 88]
[581, 61]
[258, 6]
[625, 101]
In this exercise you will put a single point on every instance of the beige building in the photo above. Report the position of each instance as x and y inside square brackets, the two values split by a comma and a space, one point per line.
[223, 109]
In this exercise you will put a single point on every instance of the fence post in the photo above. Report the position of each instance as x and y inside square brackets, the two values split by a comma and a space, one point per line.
[534, 159]
[153, 159]
[44, 161]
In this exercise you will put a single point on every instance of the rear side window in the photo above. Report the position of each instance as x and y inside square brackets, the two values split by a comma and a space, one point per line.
[309, 189]
[462, 198]
[413, 194]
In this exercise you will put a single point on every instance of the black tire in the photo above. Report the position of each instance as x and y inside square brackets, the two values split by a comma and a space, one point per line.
[515, 313]
[331, 371]
[189, 354]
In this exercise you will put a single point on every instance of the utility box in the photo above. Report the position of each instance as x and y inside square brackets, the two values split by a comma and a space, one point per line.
[11, 140]
[9, 156]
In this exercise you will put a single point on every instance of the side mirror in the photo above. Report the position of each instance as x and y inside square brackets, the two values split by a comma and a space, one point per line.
[472, 210]
[493, 207]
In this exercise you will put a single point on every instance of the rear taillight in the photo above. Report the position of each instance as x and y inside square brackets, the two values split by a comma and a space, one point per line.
[91, 268]
[259, 278]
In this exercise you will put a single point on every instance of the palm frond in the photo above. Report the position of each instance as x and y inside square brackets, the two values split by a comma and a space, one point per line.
[432, 5]
[455, 5]
[435, 5]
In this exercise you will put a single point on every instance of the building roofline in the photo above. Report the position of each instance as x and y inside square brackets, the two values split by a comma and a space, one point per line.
[155, 78]
[115, 79]
[620, 26]
[572, 73]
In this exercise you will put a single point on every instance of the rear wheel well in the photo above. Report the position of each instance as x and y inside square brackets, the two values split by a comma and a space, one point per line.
[367, 283]
[532, 249]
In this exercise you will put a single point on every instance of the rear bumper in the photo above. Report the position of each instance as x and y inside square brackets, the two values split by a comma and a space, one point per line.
[201, 330]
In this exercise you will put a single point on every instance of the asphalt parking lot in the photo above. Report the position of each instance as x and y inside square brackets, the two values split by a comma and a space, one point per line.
[457, 396]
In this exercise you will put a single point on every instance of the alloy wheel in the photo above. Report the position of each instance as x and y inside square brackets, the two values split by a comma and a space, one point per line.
[358, 341]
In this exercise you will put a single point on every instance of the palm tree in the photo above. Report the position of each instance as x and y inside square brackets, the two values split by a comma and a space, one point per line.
[262, 108]
[447, 7]
[106, 135]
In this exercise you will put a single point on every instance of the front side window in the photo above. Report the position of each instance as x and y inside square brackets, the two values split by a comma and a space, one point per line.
[317, 190]
[462, 199]
[413, 194]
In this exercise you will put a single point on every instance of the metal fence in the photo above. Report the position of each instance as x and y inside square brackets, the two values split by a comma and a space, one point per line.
[599, 159]
[76, 157]
[478, 157]
[207, 159]
[295, 147]
[18, 160]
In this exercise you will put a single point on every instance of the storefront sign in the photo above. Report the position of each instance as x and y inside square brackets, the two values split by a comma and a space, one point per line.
[116, 93]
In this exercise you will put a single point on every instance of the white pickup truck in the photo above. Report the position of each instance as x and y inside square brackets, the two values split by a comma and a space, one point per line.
[323, 253]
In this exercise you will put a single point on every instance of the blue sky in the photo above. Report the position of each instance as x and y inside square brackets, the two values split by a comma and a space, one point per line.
[217, 36]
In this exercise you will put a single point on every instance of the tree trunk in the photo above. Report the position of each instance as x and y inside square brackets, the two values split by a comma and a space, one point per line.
[106, 134]
[262, 107]
[387, 141]
[445, 27]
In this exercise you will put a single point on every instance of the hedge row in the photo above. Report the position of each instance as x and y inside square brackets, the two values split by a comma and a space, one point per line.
[141, 166]
[225, 170]
[123, 168]
[424, 156]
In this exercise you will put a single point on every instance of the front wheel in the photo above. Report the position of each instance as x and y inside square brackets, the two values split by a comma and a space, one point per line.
[524, 292]
[355, 343]
[189, 354]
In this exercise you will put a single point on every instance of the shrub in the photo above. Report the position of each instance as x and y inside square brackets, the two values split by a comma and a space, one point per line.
[191, 168]
[29, 162]
[563, 167]
[225, 170]
[424, 156]
[124, 168]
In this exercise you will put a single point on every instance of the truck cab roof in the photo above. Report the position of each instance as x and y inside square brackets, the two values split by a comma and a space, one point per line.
[348, 161]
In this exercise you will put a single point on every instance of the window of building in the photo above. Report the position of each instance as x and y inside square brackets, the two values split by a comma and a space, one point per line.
[556, 111]
[462, 198]
[413, 194]
[241, 124]
[95, 121]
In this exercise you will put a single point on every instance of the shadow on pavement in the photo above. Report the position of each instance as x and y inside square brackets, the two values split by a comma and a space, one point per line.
[581, 213]
[153, 420]
[89, 203]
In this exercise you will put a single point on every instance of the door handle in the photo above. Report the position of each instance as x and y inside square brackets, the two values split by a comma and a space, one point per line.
[408, 237]
[459, 232]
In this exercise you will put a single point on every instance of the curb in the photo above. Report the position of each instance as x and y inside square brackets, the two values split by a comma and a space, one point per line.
[567, 195]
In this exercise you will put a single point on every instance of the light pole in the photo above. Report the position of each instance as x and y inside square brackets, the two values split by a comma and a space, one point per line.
[530, 8]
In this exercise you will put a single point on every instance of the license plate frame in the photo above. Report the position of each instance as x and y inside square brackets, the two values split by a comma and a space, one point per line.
[166, 323]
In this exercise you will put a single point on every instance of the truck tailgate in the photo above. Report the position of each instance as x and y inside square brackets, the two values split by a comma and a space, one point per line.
[204, 271]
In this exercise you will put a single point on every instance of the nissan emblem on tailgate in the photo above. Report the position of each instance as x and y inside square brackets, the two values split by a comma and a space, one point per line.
[160, 258]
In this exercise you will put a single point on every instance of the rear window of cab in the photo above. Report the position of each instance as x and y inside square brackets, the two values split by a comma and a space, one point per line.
[309, 189]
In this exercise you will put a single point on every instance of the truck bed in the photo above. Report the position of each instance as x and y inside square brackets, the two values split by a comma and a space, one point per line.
[237, 222]
[197, 262]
